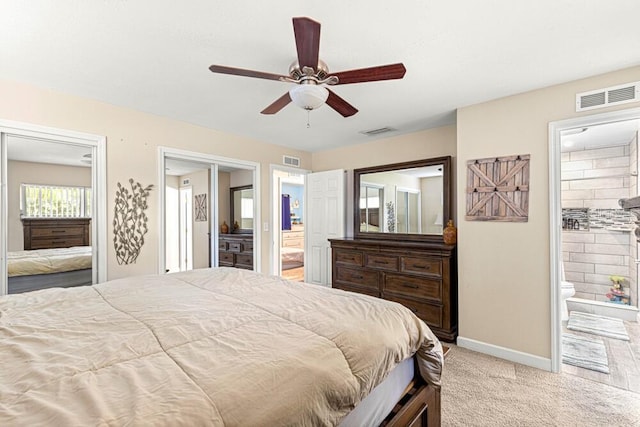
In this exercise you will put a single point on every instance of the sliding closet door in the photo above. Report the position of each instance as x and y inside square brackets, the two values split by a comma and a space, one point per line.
[34, 147]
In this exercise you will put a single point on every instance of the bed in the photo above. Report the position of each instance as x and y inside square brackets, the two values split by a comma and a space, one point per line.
[217, 347]
[45, 268]
[291, 257]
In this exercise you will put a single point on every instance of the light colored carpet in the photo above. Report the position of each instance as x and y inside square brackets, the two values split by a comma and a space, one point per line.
[598, 325]
[585, 352]
[480, 390]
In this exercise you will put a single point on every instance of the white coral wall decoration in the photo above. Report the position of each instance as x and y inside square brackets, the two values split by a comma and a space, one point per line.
[130, 221]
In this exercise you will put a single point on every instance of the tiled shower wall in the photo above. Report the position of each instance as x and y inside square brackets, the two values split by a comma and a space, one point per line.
[596, 179]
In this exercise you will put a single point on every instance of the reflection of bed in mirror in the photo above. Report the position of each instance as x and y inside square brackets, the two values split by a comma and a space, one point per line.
[48, 268]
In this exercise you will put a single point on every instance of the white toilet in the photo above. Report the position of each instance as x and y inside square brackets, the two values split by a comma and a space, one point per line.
[567, 290]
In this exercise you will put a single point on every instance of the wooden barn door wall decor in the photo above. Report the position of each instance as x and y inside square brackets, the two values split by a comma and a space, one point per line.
[498, 189]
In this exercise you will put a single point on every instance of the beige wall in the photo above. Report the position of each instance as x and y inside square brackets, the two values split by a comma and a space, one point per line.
[36, 173]
[503, 268]
[419, 145]
[133, 139]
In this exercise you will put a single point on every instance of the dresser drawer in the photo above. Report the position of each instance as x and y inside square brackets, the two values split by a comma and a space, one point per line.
[383, 262]
[61, 242]
[348, 257]
[57, 232]
[244, 260]
[420, 265]
[235, 247]
[292, 235]
[419, 287]
[293, 243]
[430, 313]
[247, 246]
[352, 276]
[367, 291]
[225, 258]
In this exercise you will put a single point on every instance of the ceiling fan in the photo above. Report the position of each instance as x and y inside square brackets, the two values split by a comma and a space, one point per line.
[311, 75]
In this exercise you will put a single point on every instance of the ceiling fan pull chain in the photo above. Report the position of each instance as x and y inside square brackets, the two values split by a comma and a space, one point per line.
[308, 125]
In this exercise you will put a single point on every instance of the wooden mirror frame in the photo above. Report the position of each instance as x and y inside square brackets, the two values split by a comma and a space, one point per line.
[232, 192]
[446, 199]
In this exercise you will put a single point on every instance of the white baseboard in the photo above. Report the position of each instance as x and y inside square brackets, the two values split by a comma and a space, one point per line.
[505, 353]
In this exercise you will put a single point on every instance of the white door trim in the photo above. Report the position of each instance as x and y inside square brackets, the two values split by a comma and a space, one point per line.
[555, 213]
[212, 160]
[97, 143]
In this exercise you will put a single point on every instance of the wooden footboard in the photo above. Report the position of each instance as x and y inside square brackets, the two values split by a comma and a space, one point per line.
[419, 407]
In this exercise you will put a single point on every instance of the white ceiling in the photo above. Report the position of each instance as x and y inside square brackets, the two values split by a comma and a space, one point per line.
[154, 56]
[605, 135]
[43, 151]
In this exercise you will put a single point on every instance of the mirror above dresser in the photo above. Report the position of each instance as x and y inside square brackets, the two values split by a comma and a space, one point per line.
[409, 200]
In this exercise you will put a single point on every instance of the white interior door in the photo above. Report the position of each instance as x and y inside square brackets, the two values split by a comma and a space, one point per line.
[325, 219]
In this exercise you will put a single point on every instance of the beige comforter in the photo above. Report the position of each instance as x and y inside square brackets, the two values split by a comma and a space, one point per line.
[46, 261]
[209, 347]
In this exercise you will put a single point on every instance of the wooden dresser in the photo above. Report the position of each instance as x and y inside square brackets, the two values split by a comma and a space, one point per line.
[235, 250]
[420, 276]
[47, 233]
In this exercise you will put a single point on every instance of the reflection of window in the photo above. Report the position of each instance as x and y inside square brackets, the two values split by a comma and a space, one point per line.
[371, 201]
[247, 208]
[48, 201]
[408, 210]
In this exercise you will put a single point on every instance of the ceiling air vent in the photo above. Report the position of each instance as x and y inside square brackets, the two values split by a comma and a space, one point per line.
[374, 132]
[607, 97]
[291, 161]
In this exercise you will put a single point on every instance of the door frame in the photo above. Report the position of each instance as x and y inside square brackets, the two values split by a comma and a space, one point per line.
[555, 213]
[213, 161]
[185, 237]
[97, 143]
[275, 191]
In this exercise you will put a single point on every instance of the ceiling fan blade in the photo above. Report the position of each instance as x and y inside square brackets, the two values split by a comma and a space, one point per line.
[340, 105]
[371, 74]
[307, 33]
[245, 73]
[277, 105]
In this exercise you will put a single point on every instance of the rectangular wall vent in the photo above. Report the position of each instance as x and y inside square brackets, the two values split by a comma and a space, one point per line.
[607, 97]
[374, 132]
[291, 161]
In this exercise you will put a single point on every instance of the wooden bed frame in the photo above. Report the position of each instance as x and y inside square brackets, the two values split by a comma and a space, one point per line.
[418, 407]
[67, 279]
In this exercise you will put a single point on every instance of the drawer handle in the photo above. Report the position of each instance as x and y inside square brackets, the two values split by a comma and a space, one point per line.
[409, 285]
[357, 277]
[424, 267]
[58, 231]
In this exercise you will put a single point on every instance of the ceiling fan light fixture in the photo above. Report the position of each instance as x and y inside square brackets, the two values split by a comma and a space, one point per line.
[309, 96]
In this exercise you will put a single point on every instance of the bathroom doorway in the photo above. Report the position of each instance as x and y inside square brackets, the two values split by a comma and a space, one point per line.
[288, 222]
[594, 165]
